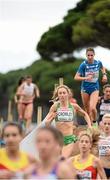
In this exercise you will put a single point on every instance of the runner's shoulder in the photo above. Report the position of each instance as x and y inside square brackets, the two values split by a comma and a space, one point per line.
[96, 160]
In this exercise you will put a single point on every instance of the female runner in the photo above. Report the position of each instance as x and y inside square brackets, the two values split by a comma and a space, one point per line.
[48, 142]
[64, 113]
[28, 91]
[12, 159]
[86, 164]
[88, 73]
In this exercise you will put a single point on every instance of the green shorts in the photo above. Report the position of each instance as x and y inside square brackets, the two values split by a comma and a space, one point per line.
[70, 139]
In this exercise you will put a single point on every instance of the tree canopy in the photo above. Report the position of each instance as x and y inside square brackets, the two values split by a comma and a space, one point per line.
[88, 24]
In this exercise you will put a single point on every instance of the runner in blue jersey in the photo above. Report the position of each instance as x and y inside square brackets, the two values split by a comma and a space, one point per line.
[88, 73]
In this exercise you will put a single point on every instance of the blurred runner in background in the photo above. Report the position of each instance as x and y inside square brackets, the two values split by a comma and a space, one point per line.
[28, 91]
[12, 160]
[49, 142]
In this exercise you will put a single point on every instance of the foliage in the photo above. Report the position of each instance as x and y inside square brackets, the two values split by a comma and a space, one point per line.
[88, 24]
[45, 74]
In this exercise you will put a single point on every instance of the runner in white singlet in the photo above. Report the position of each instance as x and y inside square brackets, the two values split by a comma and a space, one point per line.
[29, 91]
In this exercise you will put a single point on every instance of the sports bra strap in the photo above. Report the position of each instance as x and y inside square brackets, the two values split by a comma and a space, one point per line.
[69, 105]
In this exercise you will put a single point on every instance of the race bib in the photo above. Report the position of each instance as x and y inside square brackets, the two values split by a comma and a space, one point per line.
[104, 108]
[95, 76]
[104, 145]
[65, 114]
[85, 175]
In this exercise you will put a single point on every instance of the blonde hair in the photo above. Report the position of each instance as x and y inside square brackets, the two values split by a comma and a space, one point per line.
[106, 116]
[55, 93]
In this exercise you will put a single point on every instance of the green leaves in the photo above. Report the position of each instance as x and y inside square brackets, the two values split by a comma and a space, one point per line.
[83, 26]
[55, 42]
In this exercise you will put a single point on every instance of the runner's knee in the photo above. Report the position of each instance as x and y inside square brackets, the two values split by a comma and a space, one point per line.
[93, 109]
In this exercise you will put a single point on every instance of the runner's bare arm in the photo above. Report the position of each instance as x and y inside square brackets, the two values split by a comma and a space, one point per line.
[78, 77]
[104, 77]
[80, 111]
[51, 115]
[100, 169]
[103, 70]
[37, 91]
[20, 89]
[19, 93]
[15, 98]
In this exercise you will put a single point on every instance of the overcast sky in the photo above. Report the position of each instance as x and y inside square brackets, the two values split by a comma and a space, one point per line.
[22, 22]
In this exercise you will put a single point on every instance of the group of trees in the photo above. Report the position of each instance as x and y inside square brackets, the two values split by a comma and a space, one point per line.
[88, 24]
[45, 74]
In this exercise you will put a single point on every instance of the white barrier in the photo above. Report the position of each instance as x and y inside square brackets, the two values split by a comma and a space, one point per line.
[28, 143]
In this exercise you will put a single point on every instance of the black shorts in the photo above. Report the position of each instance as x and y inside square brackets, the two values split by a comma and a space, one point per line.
[107, 172]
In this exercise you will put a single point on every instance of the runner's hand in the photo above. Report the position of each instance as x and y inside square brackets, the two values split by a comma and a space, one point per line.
[54, 114]
[89, 77]
[104, 78]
